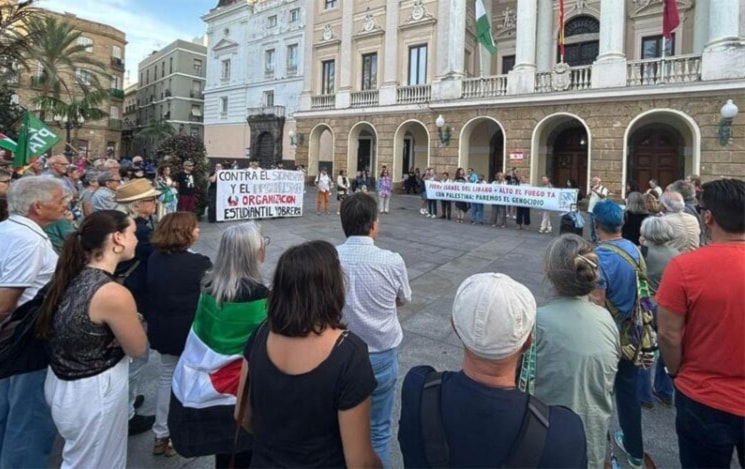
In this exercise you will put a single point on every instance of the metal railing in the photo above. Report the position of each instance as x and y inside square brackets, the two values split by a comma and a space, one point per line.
[364, 98]
[485, 87]
[278, 111]
[115, 124]
[117, 93]
[413, 94]
[323, 101]
[676, 69]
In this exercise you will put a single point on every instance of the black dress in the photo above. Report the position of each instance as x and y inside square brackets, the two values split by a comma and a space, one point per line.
[632, 226]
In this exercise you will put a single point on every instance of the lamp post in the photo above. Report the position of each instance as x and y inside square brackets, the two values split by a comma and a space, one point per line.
[728, 113]
[68, 123]
[443, 130]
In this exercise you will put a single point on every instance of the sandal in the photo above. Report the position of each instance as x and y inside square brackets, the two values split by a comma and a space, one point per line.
[163, 447]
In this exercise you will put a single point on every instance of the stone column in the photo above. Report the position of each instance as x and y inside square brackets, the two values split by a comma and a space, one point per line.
[451, 46]
[308, 65]
[390, 60]
[724, 56]
[545, 50]
[521, 79]
[344, 64]
[609, 70]
[700, 27]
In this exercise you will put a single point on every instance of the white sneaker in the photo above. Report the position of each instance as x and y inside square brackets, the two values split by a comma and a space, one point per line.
[422, 211]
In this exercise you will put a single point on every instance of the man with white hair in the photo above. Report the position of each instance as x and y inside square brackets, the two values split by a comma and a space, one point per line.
[477, 417]
[27, 262]
[105, 197]
[686, 226]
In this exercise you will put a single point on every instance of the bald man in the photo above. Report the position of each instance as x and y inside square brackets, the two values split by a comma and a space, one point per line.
[686, 226]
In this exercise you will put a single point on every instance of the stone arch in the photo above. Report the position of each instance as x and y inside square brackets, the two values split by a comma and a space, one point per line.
[677, 125]
[362, 148]
[489, 143]
[321, 144]
[543, 158]
[413, 137]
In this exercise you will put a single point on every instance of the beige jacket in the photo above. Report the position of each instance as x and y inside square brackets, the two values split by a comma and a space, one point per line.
[687, 231]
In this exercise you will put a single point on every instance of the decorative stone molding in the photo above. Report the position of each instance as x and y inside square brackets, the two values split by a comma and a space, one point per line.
[369, 24]
[561, 77]
[328, 33]
[507, 23]
[419, 12]
[644, 8]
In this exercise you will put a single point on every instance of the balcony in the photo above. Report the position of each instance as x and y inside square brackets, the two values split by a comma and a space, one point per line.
[572, 79]
[324, 101]
[117, 93]
[196, 94]
[413, 94]
[365, 98]
[275, 111]
[117, 64]
[168, 93]
[676, 69]
[485, 87]
[115, 124]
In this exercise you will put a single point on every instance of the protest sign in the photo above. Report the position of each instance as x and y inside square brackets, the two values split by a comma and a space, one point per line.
[244, 194]
[543, 198]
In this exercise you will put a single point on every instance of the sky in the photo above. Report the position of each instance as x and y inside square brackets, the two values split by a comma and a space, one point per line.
[149, 25]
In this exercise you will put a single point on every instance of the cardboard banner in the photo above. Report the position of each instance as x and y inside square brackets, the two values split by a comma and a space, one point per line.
[244, 194]
[558, 200]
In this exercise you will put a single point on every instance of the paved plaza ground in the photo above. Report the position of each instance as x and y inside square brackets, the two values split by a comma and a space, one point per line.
[439, 255]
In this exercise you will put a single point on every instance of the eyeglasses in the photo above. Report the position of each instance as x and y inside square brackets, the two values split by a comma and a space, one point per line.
[149, 199]
[267, 240]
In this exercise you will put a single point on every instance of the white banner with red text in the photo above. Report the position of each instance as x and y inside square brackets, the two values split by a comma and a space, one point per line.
[244, 194]
[544, 198]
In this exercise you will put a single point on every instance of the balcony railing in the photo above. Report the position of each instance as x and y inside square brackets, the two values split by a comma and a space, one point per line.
[676, 69]
[117, 93]
[365, 98]
[276, 111]
[117, 64]
[413, 94]
[485, 87]
[324, 101]
[196, 94]
[115, 124]
[580, 78]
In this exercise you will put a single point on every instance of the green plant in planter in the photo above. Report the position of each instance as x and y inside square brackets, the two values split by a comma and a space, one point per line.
[179, 148]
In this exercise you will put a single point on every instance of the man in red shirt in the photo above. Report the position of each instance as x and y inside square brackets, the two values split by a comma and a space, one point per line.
[701, 319]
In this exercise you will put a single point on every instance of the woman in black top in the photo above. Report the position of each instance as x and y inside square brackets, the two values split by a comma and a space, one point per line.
[306, 382]
[174, 276]
[460, 207]
[91, 325]
[634, 215]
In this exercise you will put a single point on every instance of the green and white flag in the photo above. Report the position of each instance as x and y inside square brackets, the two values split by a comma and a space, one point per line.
[34, 139]
[8, 143]
[483, 28]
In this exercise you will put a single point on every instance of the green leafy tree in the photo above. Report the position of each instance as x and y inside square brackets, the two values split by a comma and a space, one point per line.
[10, 113]
[152, 135]
[16, 40]
[179, 148]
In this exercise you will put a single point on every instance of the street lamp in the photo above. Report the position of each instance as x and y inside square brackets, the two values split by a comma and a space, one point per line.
[728, 113]
[443, 131]
[68, 124]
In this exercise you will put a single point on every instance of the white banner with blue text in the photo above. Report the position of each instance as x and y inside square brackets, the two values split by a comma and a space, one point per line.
[544, 198]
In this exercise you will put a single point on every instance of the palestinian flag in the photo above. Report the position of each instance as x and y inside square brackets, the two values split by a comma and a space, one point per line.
[8, 143]
[209, 369]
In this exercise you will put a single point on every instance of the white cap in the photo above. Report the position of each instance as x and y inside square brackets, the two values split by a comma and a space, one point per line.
[493, 315]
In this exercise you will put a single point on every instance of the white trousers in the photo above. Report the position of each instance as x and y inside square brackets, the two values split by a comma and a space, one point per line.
[546, 221]
[91, 416]
[384, 203]
[163, 399]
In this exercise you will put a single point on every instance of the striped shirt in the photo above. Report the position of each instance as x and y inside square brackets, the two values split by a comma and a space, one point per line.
[374, 278]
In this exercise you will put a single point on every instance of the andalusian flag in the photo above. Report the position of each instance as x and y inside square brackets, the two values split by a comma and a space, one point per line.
[8, 143]
[483, 28]
[34, 139]
[209, 369]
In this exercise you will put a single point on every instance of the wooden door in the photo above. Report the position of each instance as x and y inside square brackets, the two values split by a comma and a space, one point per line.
[569, 159]
[265, 150]
[657, 154]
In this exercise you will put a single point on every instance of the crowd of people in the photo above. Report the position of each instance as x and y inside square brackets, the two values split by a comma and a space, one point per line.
[302, 371]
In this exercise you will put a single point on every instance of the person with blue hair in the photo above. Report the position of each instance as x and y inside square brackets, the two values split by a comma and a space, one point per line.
[617, 291]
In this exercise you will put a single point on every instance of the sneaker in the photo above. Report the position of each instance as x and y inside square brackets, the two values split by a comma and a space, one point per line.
[666, 401]
[140, 424]
[422, 211]
[163, 447]
[633, 462]
[139, 400]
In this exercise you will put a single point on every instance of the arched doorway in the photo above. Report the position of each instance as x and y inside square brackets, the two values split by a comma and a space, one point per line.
[482, 147]
[362, 149]
[582, 41]
[265, 150]
[562, 150]
[320, 149]
[662, 144]
[656, 152]
[410, 149]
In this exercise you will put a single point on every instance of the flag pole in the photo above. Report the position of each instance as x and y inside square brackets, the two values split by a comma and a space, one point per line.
[561, 30]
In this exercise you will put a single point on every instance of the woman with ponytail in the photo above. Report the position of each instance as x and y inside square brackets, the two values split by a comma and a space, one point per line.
[91, 325]
[574, 357]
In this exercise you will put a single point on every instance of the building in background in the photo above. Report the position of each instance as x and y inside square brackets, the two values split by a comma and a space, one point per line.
[129, 120]
[404, 83]
[254, 78]
[170, 89]
[91, 139]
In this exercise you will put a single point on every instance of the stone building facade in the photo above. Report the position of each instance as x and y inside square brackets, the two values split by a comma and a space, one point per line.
[378, 76]
[94, 138]
[254, 78]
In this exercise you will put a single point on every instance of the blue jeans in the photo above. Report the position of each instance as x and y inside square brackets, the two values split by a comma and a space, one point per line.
[135, 368]
[593, 233]
[629, 408]
[706, 436]
[477, 216]
[663, 385]
[27, 430]
[385, 367]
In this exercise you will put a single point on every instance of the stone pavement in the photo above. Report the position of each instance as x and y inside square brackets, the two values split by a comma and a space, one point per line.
[439, 255]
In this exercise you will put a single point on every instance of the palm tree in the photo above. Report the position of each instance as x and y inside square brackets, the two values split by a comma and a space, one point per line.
[86, 107]
[15, 39]
[66, 66]
[154, 133]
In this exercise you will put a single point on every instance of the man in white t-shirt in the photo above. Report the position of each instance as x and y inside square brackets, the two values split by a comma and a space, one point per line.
[323, 186]
[598, 192]
[27, 262]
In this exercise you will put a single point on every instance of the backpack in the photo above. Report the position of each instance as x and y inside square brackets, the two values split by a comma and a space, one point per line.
[638, 337]
[526, 451]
